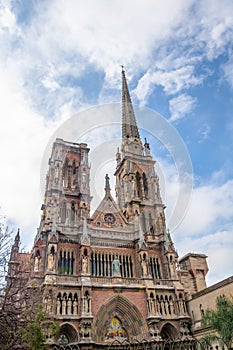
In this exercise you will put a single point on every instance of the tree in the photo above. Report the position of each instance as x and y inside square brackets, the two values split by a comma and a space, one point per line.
[221, 321]
[22, 316]
[34, 334]
[5, 249]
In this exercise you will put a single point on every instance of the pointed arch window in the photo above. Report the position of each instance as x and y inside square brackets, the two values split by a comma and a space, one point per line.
[72, 213]
[138, 185]
[151, 224]
[155, 268]
[67, 174]
[66, 262]
[145, 184]
[74, 167]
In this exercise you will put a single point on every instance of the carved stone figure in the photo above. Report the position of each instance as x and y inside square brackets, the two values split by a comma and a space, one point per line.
[85, 264]
[116, 267]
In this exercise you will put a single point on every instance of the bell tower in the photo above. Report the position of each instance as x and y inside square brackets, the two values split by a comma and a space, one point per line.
[67, 196]
[137, 185]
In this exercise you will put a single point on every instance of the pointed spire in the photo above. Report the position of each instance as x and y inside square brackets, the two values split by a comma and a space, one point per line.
[17, 237]
[129, 126]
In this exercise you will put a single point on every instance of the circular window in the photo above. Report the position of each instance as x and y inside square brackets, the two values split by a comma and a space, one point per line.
[109, 219]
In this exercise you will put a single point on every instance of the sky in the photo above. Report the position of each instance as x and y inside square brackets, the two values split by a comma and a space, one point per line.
[59, 59]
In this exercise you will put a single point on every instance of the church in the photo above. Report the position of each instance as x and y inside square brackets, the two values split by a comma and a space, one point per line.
[112, 278]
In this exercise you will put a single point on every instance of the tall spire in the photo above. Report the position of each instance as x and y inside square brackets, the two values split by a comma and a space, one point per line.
[129, 126]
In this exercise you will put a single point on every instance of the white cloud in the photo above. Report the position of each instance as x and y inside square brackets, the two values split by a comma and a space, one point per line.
[173, 73]
[210, 206]
[207, 228]
[216, 19]
[181, 106]
[204, 132]
[7, 18]
[228, 71]
[23, 136]
[106, 33]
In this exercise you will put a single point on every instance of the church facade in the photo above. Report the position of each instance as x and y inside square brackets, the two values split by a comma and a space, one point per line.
[112, 277]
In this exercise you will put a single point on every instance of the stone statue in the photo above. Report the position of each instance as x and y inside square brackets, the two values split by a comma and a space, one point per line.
[116, 266]
[85, 264]
[50, 262]
[144, 268]
[63, 340]
[36, 264]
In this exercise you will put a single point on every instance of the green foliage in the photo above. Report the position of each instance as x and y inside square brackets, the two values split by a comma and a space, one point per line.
[33, 333]
[220, 320]
[54, 329]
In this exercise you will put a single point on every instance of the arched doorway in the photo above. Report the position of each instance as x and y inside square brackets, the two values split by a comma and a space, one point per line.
[119, 319]
[169, 332]
[67, 334]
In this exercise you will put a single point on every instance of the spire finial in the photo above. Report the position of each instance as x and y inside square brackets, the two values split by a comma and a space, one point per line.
[122, 68]
[107, 181]
[107, 184]
[17, 237]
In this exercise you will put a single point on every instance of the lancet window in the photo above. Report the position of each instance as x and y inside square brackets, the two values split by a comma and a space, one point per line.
[73, 213]
[138, 183]
[66, 262]
[145, 184]
[102, 264]
[69, 174]
[151, 224]
[155, 267]
[67, 304]
[63, 212]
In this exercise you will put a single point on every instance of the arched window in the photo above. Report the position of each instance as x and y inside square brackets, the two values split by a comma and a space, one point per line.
[67, 174]
[37, 255]
[72, 213]
[151, 224]
[138, 185]
[66, 262]
[74, 168]
[145, 184]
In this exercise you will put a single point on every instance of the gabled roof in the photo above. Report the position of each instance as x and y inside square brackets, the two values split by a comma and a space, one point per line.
[108, 214]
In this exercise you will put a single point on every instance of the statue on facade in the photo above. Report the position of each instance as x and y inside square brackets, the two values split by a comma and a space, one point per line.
[36, 264]
[116, 267]
[144, 267]
[85, 264]
[50, 262]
